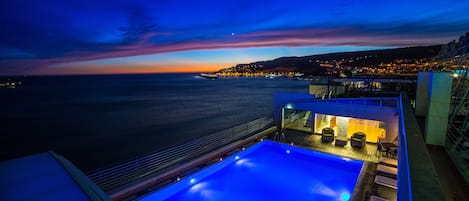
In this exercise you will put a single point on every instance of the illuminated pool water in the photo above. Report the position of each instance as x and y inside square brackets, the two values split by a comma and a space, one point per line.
[269, 171]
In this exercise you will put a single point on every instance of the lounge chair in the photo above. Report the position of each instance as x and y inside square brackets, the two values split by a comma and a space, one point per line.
[385, 181]
[387, 171]
[388, 162]
[358, 140]
[376, 198]
[327, 135]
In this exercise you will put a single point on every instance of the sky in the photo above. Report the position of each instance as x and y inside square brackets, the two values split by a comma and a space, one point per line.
[116, 36]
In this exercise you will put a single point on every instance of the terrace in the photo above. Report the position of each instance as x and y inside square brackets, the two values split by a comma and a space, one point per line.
[413, 181]
[425, 171]
[420, 175]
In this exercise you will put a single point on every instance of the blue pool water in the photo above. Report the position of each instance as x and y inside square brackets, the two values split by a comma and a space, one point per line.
[269, 171]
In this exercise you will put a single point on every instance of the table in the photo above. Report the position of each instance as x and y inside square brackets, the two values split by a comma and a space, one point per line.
[390, 148]
[340, 141]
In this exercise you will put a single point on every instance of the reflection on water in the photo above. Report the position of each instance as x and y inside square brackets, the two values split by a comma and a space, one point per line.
[99, 120]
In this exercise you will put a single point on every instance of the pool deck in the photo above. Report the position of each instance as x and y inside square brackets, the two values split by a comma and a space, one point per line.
[305, 139]
[366, 187]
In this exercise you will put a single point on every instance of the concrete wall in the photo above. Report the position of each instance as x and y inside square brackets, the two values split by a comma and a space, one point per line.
[421, 102]
[438, 103]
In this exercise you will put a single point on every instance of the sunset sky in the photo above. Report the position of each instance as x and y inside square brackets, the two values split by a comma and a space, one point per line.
[90, 37]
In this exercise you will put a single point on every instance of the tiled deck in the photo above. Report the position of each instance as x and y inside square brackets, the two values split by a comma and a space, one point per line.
[304, 139]
[368, 153]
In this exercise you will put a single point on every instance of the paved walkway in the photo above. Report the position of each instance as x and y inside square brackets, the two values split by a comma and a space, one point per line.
[453, 185]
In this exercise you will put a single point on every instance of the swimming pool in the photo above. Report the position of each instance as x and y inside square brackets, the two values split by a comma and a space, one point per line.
[269, 171]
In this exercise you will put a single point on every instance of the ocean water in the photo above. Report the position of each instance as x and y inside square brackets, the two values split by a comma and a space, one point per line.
[96, 121]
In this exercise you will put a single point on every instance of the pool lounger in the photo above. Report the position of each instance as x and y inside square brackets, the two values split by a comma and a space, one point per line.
[388, 161]
[385, 181]
[376, 198]
[387, 170]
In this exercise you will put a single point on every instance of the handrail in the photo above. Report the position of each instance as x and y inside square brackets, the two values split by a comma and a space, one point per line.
[130, 170]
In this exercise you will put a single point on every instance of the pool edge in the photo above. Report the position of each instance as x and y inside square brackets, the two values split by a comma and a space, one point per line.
[360, 179]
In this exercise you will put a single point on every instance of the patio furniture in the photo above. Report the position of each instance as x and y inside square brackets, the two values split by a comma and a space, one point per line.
[380, 149]
[388, 144]
[327, 135]
[387, 171]
[358, 140]
[390, 148]
[388, 162]
[340, 141]
[385, 181]
[392, 151]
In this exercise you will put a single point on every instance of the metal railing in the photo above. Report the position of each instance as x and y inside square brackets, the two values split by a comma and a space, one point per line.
[457, 138]
[458, 149]
[128, 171]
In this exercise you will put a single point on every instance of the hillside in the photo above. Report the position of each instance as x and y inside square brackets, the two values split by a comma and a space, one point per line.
[314, 64]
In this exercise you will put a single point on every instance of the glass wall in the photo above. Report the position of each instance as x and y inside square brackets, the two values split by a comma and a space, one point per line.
[297, 120]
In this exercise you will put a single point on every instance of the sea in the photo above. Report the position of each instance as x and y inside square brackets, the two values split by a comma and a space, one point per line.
[99, 120]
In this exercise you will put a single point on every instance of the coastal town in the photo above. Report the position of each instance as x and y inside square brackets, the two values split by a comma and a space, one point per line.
[400, 62]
